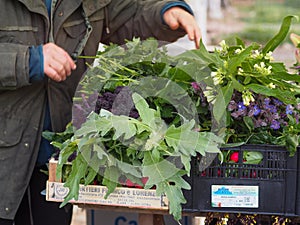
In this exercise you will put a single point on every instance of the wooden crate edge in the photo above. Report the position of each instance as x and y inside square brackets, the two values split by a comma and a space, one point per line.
[122, 197]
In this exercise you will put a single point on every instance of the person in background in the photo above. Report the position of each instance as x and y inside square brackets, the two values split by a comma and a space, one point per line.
[39, 41]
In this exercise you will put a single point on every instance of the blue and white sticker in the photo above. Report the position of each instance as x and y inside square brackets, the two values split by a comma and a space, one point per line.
[238, 196]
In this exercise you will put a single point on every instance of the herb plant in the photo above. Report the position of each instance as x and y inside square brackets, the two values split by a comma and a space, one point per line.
[252, 98]
[134, 118]
[142, 115]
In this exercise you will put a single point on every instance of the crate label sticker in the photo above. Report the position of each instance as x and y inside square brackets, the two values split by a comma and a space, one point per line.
[234, 196]
[94, 194]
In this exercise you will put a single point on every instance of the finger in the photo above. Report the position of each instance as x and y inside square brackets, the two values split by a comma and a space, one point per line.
[177, 17]
[59, 67]
[197, 39]
[68, 63]
[62, 62]
[71, 61]
[64, 59]
[57, 62]
[197, 43]
[52, 74]
[190, 32]
[193, 33]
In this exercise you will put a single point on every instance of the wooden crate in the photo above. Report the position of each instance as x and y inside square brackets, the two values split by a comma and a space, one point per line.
[93, 195]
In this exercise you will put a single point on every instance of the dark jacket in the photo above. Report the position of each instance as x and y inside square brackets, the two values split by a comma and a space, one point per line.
[25, 23]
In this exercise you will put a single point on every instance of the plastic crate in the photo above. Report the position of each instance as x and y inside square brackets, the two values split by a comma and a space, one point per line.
[298, 187]
[270, 187]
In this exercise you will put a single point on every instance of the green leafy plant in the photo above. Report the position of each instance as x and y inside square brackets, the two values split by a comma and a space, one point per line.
[252, 97]
[142, 115]
[156, 140]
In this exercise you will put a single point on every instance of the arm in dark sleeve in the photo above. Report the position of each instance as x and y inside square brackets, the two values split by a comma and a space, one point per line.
[14, 66]
[20, 65]
[128, 19]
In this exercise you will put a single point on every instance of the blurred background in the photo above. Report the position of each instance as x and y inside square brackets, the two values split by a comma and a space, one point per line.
[251, 20]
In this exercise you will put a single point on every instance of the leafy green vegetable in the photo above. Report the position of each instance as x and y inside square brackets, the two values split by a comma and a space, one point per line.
[175, 122]
[155, 144]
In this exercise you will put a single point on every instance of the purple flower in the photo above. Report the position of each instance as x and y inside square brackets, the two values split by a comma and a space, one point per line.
[276, 116]
[271, 108]
[289, 109]
[232, 105]
[256, 110]
[275, 125]
[195, 86]
[241, 106]
[267, 101]
[259, 123]
[235, 115]
[277, 102]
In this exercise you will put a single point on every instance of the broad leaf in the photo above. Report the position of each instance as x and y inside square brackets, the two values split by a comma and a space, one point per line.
[157, 171]
[110, 179]
[79, 167]
[147, 114]
[236, 61]
[220, 105]
[280, 36]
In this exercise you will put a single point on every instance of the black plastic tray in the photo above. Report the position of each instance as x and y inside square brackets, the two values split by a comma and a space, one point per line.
[277, 178]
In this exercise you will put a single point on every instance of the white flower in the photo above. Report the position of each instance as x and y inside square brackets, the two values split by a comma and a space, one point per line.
[238, 51]
[223, 45]
[217, 77]
[272, 85]
[247, 97]
[224, 48]
[240, 71]
[256, 55]
[210, 95]
[269, 56]
[262, 68]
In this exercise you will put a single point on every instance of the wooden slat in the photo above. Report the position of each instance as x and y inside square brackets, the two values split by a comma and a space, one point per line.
[52, 171]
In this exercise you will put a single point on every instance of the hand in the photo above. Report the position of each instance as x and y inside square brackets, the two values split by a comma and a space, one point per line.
[57, 62]
[176, 17]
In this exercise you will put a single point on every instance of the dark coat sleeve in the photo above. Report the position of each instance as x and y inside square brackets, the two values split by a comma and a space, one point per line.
[139, 18]
[14, 71]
